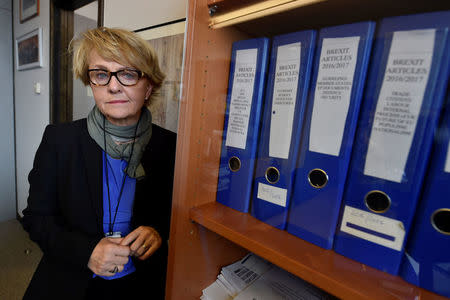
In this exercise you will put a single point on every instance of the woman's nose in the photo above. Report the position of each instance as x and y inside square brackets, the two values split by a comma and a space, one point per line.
[114, 85]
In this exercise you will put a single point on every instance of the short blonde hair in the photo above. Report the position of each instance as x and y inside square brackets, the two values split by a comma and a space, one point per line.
[119, 45]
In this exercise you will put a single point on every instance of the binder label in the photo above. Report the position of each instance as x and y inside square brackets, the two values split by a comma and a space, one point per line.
[332, 94]
[283, 99]
[377, 229]
[241, 98]
[272, 194]
[399, 103]
[447, 160]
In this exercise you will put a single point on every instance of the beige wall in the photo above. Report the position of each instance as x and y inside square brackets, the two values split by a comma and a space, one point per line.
[32, 110]
[137, 14]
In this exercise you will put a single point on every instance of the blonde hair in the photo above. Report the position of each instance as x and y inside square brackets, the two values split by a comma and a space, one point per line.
[119, 45]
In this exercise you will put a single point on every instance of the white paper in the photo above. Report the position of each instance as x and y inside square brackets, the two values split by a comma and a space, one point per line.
[272, 194]
[278, 284]
[447, 161]
[332, 94]
[399, 103]
[244, 272]
[283, 99]
[215, 292]
[380, 224]
[241, 98]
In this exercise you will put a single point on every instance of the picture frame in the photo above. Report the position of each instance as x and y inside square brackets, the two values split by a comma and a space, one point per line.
[28, 9]
[28, 48]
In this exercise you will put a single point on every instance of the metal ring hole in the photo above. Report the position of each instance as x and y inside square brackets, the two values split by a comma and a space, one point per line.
[441, 220]
[272, 175]
[318, 178]
[377, 201]
[234, 163]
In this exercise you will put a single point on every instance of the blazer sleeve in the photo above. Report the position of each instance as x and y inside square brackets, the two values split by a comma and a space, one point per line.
[44, 218]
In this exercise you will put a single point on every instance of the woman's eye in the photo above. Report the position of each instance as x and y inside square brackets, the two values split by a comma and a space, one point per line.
[129, 74]
[101, 75]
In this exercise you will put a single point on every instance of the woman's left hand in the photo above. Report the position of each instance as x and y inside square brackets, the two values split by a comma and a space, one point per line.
[143, 242]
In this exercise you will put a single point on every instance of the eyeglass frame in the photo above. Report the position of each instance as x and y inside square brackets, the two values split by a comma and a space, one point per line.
[111, 74]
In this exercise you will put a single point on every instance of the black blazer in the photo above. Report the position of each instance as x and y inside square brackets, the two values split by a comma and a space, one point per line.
[65, 208]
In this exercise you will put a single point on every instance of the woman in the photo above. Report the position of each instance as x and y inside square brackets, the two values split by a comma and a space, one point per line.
[100, 188]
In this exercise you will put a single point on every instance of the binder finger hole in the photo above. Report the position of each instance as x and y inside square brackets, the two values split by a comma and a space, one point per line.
[234, 163]
[377, 201]
[441, 220]
[318, 178]
[272, 175]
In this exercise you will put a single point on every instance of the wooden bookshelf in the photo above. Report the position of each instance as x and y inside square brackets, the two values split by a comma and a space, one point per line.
[343, 277]
[205, 236]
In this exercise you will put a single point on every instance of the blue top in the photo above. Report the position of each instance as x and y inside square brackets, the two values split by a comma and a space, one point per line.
[122, 224]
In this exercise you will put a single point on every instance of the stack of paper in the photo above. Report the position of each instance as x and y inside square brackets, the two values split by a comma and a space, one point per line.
[253, 278]
[236, 277]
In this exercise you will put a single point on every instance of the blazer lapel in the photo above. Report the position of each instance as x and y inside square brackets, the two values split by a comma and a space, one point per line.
[92, 155]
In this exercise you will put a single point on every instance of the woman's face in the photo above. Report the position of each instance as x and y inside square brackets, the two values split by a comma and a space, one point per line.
[120, 104]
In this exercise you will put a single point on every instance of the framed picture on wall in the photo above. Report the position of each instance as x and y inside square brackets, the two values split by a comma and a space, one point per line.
[28, 9]
[29, 50]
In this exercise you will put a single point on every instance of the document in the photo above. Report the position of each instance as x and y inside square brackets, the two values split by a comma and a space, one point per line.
[283, 100]
[399, 103]
[241, 98]
[332, 94]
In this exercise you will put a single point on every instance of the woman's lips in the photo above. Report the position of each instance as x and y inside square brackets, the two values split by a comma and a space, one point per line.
[117, 101]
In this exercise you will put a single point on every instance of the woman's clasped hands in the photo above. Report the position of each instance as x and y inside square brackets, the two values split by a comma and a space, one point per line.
[112, 254]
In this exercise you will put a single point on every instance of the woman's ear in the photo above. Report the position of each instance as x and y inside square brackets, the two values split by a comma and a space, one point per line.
[149, 91]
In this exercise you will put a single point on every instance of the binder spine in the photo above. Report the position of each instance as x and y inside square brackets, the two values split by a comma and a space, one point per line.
[402, 103]
[426, 261]
[242, 122]
[329, 130]
[290, 67]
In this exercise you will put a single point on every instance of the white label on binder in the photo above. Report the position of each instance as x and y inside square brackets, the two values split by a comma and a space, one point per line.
[447, 161]
[283, 99]
[272, 194]
[241, 98]
[332, 94]
[377, 229]
[399, 103]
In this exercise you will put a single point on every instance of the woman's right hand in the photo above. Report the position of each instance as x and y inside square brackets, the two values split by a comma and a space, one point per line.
[107, 255]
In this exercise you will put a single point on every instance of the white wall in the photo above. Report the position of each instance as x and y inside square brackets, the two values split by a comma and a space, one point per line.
[7, 171]
[32, 111]
[83, 101]
[138, 14]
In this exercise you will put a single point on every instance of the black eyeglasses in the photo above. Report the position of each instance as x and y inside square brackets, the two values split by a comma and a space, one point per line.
[126, 77]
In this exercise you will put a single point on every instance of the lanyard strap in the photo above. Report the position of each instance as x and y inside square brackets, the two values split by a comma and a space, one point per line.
[111, 224]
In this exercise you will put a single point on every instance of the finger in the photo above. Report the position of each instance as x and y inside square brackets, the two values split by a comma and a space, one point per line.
[136, 246]
[126, 241]
[150, 250]
[113, 270]
[120, 260]
[116, 241]
[118, 250]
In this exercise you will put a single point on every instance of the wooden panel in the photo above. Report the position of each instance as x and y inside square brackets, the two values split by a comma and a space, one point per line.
[196, 254]
[170, 54]
[343, 277]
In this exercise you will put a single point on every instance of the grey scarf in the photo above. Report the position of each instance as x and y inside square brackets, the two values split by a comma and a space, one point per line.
[119, 139]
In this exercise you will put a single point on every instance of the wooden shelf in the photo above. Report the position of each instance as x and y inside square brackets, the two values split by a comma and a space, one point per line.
[197, 252]
[343, 277]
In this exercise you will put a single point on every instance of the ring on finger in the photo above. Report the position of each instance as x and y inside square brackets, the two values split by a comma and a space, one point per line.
[144, 246]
